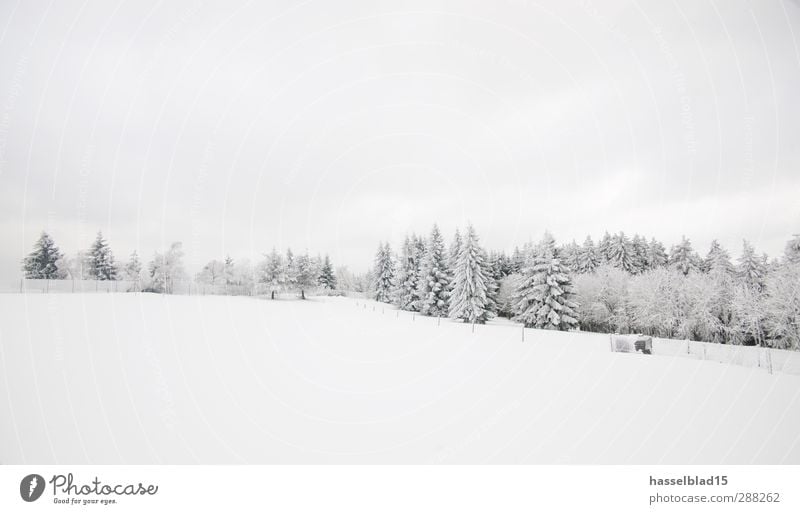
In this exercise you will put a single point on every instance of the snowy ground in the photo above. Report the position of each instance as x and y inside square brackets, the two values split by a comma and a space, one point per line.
[143, 378]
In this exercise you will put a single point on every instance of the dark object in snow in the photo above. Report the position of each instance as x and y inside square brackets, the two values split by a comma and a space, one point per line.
[633, 343]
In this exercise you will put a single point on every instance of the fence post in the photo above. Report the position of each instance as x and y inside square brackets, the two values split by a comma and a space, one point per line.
[473, 326]
[47, 285]
[73, 284]
[611, 342]
[523, 332]
[769, 360]
[439, 320]
[21, 284]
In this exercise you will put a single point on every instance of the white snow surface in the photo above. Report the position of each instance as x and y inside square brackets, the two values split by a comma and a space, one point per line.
[145, 378]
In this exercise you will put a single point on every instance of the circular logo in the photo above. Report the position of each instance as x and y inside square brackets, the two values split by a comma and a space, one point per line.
[31, 487]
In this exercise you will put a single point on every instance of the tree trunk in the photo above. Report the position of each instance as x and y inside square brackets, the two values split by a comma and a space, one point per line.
[302, 294]
[273, 295]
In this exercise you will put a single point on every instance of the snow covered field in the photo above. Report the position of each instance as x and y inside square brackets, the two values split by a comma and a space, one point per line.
[144, 378]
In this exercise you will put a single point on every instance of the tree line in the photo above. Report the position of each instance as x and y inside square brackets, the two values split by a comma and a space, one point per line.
[276, 273]
[619, 284]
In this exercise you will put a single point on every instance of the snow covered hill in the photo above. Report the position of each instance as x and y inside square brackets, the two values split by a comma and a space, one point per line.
[143, 378]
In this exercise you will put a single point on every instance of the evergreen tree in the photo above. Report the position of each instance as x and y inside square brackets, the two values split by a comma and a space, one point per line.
[274, 272]
[291, 270]
[751, 269]
[603, 248]
[504, 266]
[587, 257]
[316, 268]
[490, 268]
[517, 260]
[468, 299]
[682, 257]
[717, 260]
[384, 273]
[620, 253]
[101, 260]
[327, 278]
[133, 268]
[42, 262]
[657, 254]
[405, 293]
[547, 245]
[306, 274]
[640, 254]
[435, 277]
[792, 252]
[453, 253]
[569, 254]
[544, 297]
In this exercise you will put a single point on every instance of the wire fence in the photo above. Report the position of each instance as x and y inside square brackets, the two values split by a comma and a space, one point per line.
[179, 287]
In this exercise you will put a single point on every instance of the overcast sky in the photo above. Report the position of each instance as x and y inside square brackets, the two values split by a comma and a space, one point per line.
[332, 125]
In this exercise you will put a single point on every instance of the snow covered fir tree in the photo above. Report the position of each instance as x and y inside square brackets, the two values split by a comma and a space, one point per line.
[469, 297]
[384, 273]
[434, 279]
[44, 262]
[101, 260]
[544, 297]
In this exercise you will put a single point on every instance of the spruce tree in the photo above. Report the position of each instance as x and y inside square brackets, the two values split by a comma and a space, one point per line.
[717, 260]
[620, 253]
[492, 282]
[384, 273]
[468, 299]
[453, 252]
[101, 260]
[587, 257]
[327, 278]
[751, 269]
[291, 270]
[133, 268]
[43, 261]
[504, 266]
[792, 251]
[682, 257]
[517, 260]
[657, 254]
[405, 293]
[640, 254]
[570, 256]
[435, 277]
[547, 245]
[603, 248]
[544, 297]
[306, 274]
[274, 272]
